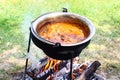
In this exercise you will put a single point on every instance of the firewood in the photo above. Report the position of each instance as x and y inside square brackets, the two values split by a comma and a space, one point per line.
[46, 73]
[89, 72]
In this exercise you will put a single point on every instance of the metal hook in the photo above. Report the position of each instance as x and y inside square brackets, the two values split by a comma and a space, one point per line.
[65, 10]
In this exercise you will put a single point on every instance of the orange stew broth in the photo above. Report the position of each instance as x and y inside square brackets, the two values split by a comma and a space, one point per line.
[64, 33]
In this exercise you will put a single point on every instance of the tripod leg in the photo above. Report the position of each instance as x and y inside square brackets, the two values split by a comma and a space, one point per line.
[71, 64]
[27, 53]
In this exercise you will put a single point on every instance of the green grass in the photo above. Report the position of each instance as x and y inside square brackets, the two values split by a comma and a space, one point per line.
[17, 15]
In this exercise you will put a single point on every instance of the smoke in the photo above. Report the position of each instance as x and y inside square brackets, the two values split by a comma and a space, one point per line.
[35, 53]
[26, 23]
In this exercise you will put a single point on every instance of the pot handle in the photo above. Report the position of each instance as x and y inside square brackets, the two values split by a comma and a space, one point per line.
[65, 10]
[57, 45]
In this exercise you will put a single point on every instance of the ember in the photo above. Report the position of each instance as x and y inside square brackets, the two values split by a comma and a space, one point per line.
[51, 69]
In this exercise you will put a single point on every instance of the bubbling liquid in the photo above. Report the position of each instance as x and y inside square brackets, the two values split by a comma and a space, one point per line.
[64, 33]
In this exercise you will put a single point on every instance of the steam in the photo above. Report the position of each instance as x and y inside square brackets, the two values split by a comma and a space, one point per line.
[26, 23]
[35, 53]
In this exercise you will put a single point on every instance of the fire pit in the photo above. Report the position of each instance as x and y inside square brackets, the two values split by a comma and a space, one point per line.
[52, 69]
[62, 36]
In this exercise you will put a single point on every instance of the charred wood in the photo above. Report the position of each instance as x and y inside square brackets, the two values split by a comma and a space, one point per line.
[46, 73]
[89, 72]
[32, 72]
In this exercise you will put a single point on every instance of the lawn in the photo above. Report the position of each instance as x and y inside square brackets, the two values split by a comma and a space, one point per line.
[17, 15]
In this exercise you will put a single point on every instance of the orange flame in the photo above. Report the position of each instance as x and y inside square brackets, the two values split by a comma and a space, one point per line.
[55, 64]
[51, 62]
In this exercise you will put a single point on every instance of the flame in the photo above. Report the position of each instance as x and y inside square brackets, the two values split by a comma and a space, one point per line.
[51, 62]
[55, 65]
[82, 68]
[73, 77]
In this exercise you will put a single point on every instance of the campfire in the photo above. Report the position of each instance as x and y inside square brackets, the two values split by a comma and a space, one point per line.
[62, 36]
[52, 69]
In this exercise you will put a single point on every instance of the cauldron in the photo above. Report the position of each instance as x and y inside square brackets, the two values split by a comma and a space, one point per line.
[58, 50]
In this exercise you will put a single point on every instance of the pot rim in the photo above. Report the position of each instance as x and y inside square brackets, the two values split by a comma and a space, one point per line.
[55, 14]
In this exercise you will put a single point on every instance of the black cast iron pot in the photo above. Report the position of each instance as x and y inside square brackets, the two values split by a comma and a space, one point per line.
[57, 50]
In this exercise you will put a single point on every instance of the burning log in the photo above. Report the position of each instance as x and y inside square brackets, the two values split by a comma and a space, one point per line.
[89, 72]
[64, 74]
[80, 69]
[48, 72]
[51, 69]
[32, 71]
[46, 67]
